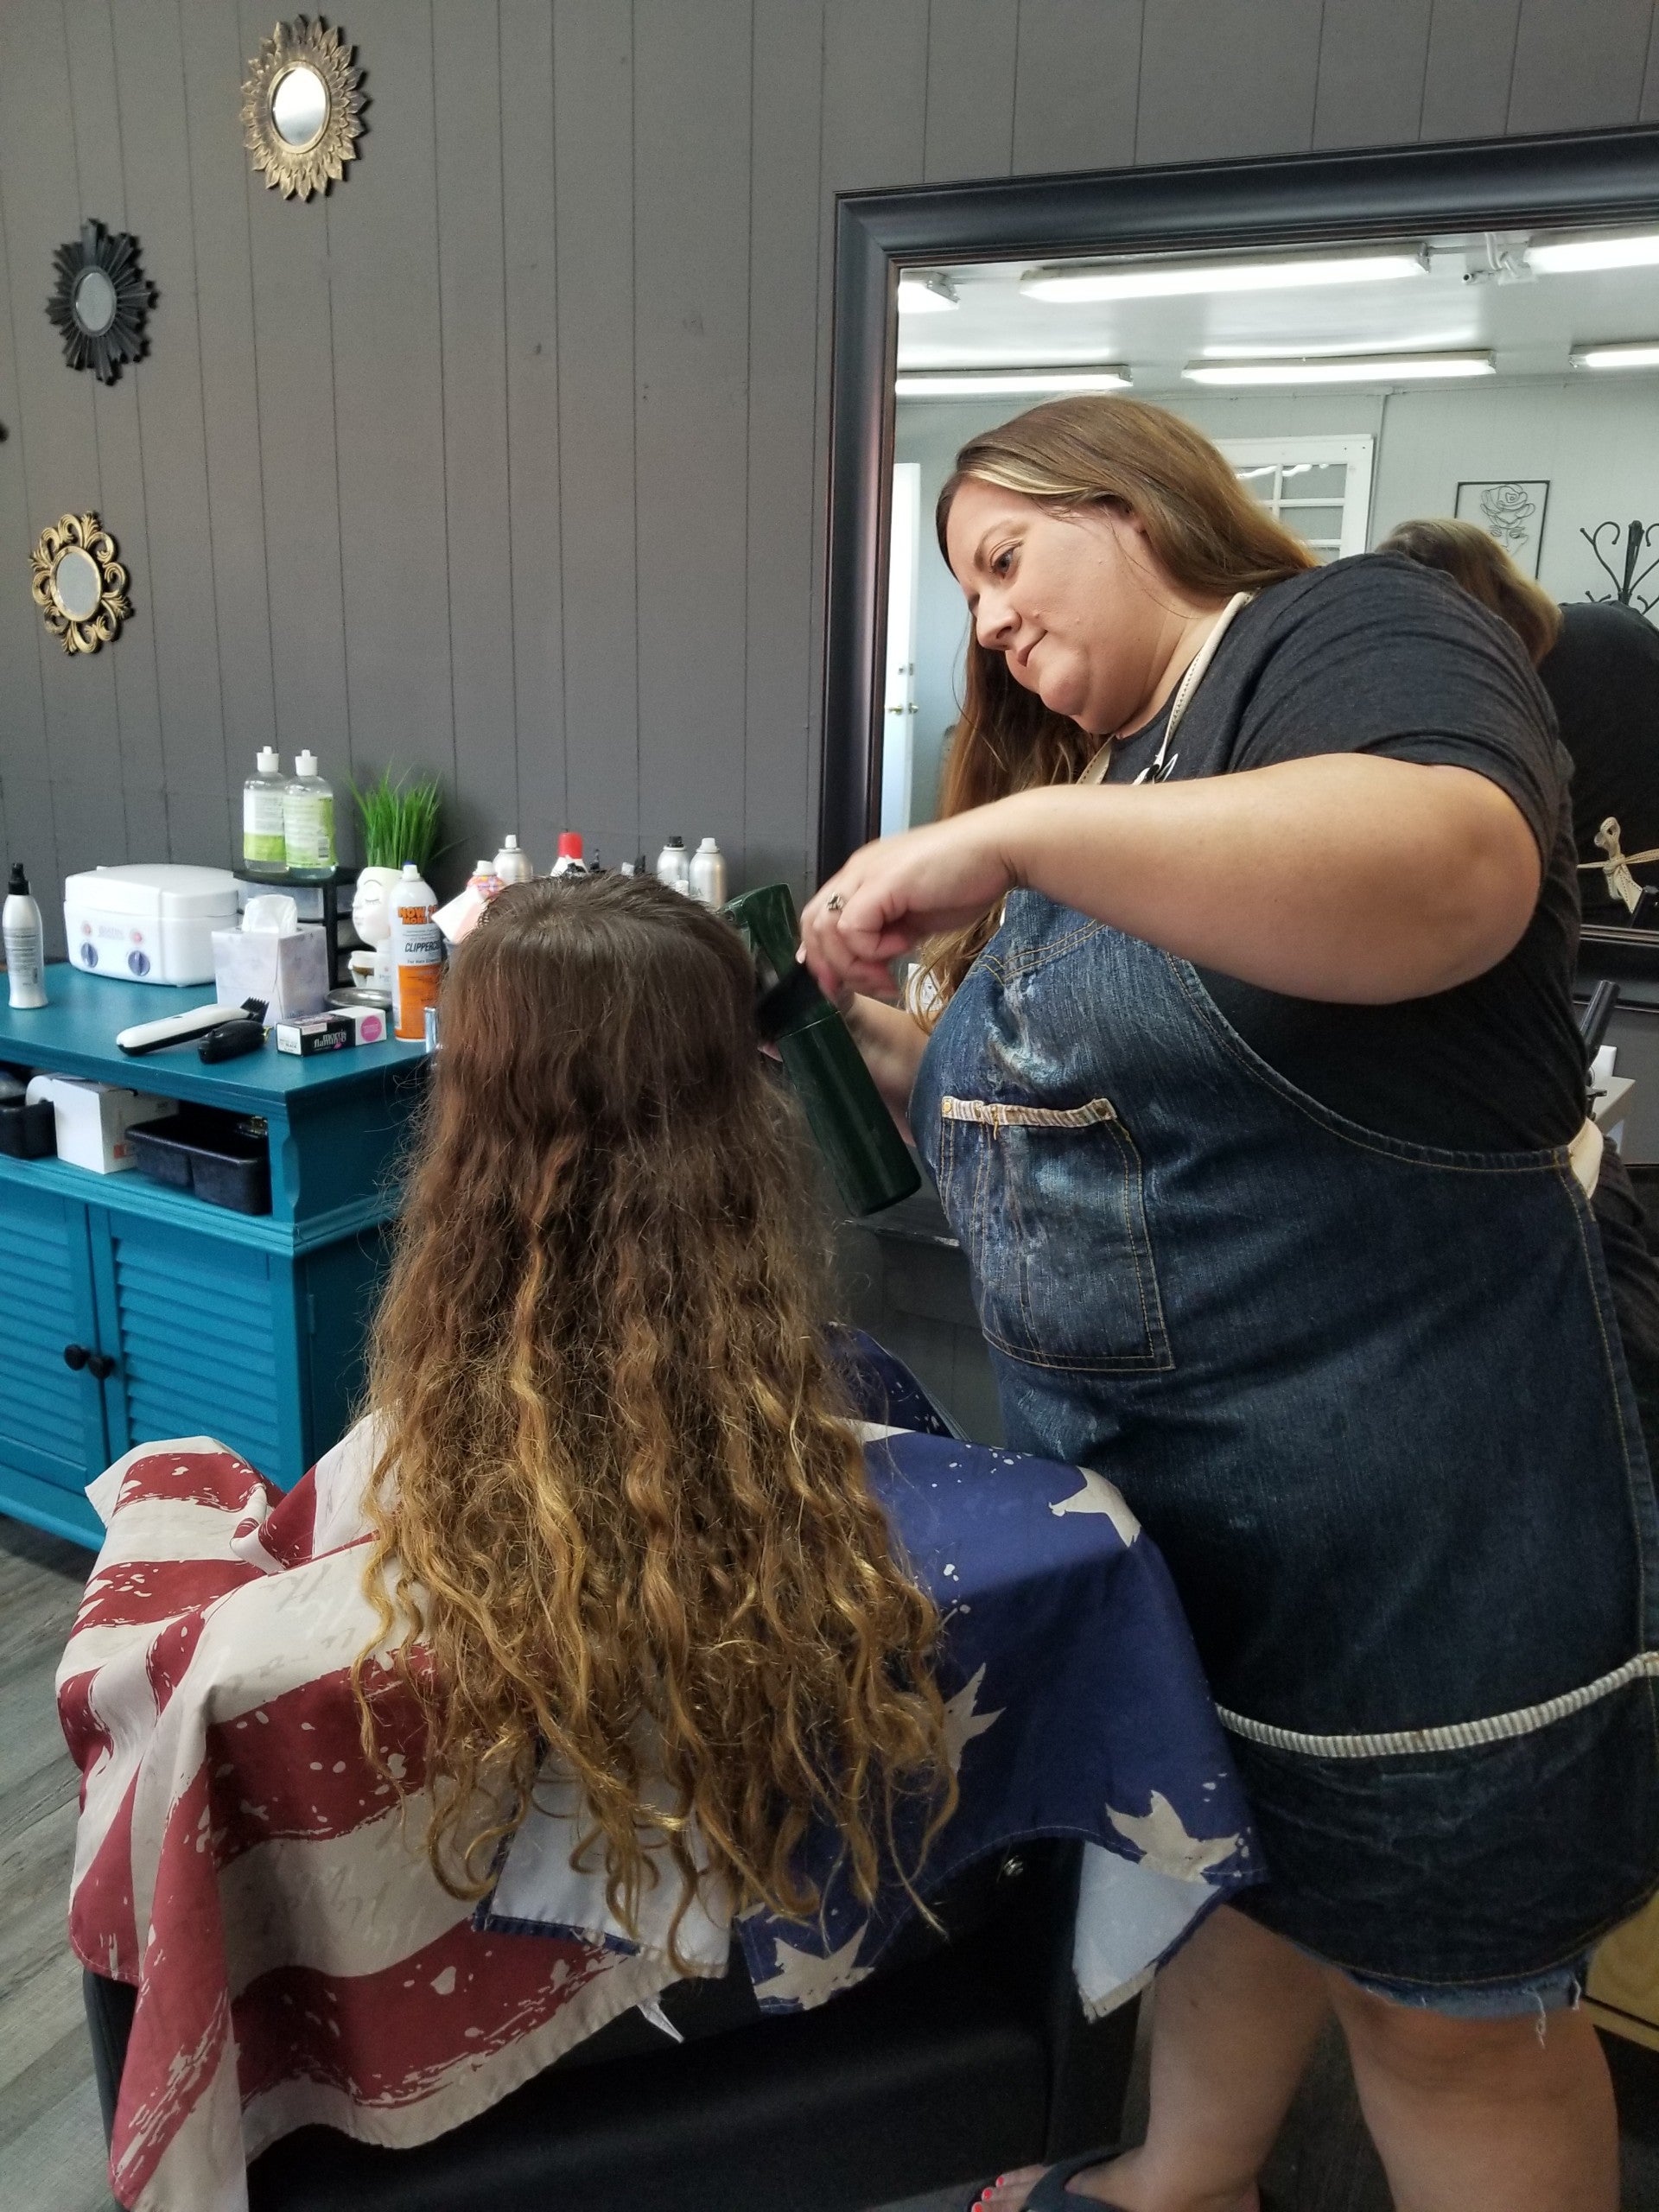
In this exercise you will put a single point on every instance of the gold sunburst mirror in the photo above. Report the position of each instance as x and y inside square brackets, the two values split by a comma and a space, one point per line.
[302, 108]
[78, 585]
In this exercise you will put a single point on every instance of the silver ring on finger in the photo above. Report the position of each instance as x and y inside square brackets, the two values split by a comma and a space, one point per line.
[834, 902]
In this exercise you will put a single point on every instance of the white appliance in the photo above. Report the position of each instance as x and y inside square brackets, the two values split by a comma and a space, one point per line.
[148, 922]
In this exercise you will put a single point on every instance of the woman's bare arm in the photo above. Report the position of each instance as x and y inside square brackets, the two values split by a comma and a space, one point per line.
[1345, 876]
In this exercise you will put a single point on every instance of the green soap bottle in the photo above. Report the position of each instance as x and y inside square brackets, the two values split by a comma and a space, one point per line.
[847, 1117]
[308, 824]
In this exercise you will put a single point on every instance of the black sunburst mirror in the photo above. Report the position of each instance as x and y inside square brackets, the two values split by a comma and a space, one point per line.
[100, 301]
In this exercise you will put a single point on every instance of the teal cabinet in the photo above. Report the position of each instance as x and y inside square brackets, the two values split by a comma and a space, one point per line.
[181, 1318]
[53, 1438]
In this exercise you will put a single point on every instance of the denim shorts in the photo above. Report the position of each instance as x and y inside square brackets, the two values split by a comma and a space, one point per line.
[1558, 1989]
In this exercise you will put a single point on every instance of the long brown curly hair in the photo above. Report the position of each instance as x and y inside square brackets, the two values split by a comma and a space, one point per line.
[1204, 530]
[621, 1526]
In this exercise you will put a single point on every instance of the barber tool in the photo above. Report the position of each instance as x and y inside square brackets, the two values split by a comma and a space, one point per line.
[178, 1028]
[844, 1110]
[232, 1039]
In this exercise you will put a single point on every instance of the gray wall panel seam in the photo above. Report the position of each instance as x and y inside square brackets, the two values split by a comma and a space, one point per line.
[138, 424]
[506, 410]
[443, 409]
[339, 520]
[39, 628]
[232, 825]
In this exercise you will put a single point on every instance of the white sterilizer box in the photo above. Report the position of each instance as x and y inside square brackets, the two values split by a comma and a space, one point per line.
[148, 923]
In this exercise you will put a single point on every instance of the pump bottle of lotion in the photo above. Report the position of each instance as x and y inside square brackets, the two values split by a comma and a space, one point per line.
[20, 926]
[417, 954]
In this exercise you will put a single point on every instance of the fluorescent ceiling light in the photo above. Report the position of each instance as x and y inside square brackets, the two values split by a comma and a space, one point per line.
[919, 294]
[1634, 250]
[971, 384]
[1368, 368]
[1636, 354]
[1155, 280]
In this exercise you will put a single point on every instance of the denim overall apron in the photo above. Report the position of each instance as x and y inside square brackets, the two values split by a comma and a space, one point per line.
[1368, 1398]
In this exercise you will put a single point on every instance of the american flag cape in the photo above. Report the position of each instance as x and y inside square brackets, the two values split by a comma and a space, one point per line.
[242, 1865]
[239, 1861]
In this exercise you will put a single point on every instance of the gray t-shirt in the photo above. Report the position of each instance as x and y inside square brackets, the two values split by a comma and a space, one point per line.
[1379, 655]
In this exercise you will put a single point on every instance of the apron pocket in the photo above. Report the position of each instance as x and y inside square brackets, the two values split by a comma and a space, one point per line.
[1048, 1202]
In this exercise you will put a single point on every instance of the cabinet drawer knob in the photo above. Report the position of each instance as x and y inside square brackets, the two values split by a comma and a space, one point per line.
[98, 1364]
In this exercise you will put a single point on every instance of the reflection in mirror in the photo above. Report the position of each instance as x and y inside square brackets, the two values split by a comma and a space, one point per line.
[95, 302]
[1353, 387]
[76, 584]
[299, 107]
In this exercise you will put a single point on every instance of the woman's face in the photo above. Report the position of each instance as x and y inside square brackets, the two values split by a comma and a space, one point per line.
[1076, 603]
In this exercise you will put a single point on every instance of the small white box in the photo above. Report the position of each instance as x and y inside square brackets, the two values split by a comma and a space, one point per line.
[93, 1119]
[149, 923]
[290, 973]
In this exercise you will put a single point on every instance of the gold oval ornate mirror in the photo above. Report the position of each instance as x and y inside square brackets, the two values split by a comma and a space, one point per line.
[301, 108]
[78, 585]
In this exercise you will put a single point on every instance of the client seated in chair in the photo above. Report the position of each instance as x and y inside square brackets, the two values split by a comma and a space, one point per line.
[618, 1504]
[633, 1628]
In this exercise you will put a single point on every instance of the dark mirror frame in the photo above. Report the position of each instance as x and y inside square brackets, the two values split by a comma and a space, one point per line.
[1508, 184]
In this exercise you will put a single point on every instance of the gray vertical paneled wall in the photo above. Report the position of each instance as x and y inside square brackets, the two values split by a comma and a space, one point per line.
[507, 459]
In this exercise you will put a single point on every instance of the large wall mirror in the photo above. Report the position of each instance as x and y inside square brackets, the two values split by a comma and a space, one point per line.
[1370, 338]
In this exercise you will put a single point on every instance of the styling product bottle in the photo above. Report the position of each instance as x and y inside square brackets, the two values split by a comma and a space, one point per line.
[510, 865]
[264, 840]
[569, 862]
[417, 954]
[674, 865]
[25, 942]
[485, 880]
[309, 822]
[708, 875]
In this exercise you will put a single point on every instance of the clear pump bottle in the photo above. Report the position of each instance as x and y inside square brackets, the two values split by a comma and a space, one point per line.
[309, 822]
[264, 850]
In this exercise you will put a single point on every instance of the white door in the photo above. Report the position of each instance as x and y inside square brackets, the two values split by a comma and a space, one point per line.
[899, 698]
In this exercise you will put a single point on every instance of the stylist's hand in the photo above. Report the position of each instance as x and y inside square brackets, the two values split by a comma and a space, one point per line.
[896, 892]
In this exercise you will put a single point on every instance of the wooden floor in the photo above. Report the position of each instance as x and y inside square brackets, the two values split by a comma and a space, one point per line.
[51, 2143]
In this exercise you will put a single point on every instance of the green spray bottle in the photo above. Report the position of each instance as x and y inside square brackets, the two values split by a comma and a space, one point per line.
[844, 1110]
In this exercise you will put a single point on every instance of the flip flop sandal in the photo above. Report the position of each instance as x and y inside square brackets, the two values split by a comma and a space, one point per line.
[1051, 2194]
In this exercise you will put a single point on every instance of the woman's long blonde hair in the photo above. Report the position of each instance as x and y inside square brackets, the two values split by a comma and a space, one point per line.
[620, 1520]
[1203, 529]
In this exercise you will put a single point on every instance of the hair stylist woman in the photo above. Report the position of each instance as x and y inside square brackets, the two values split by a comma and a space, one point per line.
[1257, 1102]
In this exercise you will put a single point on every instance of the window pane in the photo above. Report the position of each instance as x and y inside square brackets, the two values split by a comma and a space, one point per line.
[1308, 479]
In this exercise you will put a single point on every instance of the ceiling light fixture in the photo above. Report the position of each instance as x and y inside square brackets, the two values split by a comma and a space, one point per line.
[1167, 280]
[1632, 353]
[1355, 368]
[1564, 256]
[920, 294]
[974, 384]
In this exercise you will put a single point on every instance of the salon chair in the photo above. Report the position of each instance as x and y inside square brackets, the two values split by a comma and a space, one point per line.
[966, 2053]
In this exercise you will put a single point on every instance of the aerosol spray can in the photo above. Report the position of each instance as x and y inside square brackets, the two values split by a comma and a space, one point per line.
[674, 865]
[708, 875]
[417, 954]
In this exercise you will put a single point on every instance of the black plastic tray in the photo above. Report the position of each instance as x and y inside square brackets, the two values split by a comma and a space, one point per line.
[211, 1154]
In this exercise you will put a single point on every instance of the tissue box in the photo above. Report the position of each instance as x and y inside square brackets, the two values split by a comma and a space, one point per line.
[290, 973]
[93, 1120]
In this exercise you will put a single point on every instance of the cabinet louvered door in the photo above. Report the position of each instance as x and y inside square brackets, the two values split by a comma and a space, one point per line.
[200, 1326]
[51, 1415]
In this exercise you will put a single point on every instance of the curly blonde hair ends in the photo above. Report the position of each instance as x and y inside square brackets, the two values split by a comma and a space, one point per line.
[616, 1503]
